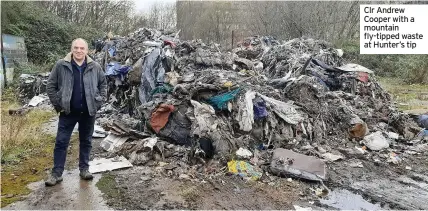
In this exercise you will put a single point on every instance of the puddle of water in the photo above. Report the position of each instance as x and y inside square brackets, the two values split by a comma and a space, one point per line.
[70, 194]
[346, 200]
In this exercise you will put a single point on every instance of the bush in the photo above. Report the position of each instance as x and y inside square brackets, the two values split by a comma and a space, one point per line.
[26, 150]
[30, 68]
[47, 37]
[412, 68]
[16, 142]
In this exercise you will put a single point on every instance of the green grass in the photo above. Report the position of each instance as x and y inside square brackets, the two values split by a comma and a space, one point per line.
[408, 96]
[25, 150]
[22, 135]
[190, 194]
[108, 186]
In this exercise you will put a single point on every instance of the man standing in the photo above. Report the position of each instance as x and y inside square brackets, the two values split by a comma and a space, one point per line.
[76, 88]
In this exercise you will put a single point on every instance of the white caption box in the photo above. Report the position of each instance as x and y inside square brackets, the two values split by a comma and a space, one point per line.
[390, 29]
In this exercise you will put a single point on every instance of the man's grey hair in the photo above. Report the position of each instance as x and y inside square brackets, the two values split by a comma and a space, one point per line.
[79, 39]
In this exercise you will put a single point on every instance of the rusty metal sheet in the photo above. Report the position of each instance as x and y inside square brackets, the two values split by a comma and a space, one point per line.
[286, 162]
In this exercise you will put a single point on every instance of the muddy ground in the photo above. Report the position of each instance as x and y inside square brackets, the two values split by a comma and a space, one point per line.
[375, 185]
[355, 182]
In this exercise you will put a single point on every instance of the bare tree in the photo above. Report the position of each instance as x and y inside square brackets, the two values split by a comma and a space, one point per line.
[162, 16]
[112, 15]
[214, 20]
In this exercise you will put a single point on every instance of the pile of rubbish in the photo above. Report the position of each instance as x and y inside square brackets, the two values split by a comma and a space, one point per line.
[284, 103]
[31, 85]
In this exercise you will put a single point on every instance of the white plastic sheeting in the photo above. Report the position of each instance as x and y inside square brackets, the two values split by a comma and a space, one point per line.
[245, 115]
[286, 111]
[376, 141]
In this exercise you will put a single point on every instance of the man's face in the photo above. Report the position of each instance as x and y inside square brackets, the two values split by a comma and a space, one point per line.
[79, 50]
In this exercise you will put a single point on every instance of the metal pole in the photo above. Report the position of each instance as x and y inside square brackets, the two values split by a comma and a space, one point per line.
[3, 64]
[233, 33]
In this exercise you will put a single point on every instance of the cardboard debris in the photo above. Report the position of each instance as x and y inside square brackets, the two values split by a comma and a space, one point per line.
[36, 100]
[98, 135]
[150, 142]
[99, 132]
[112, 142]
[356, 164]
[286, 162]
[331, 157]
[355, 68]
[393, 135]
[119, 128]
[102, 164]
[244, 153]
[299, 208]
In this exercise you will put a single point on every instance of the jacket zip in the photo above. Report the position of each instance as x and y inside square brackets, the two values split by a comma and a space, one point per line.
[81, 90]
[72, 83]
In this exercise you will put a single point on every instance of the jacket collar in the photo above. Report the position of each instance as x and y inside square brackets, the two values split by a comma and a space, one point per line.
[68, 58]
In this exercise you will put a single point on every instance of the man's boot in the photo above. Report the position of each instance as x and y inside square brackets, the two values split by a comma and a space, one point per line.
[53, 180]
[85, 175]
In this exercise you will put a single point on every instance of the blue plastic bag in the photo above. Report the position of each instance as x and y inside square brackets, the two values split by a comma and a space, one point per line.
[219, 102]
[259, 107]
[423, 121]
[112, 51]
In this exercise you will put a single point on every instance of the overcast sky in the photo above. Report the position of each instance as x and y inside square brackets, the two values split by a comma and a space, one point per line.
[144, 5]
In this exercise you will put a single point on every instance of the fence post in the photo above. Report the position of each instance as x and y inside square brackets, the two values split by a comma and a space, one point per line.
[233, 34]
[4, 82]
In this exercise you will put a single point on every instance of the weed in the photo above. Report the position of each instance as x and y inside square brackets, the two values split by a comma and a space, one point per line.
[107, 184]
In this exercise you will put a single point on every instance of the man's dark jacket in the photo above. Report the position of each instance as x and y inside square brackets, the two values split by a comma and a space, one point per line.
[61, 82]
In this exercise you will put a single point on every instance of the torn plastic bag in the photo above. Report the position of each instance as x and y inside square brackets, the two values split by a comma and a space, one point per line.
[108, 44]
[124, 70]
[259, 107]
[205, 118]
[423, 121]
[245, 115]
[363, 77]
[285, 111]
[219, 102]
[281, 82]
[114, 68]
[376, 141]
[189, 77]
[134, 74]
[320, 78]
[208, 124]
[423, 134]
[330, 77]
[178, 127]
[170, 43]
[112, 51]
[160, 117]
[166, 88]
[325, 66]
[152, 43]
[207, 146]
[152, 75]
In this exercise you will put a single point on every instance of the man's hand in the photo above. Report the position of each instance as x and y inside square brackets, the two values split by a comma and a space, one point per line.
[58, 109]
[52, 86]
